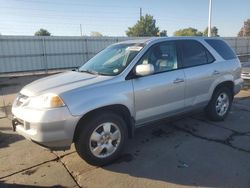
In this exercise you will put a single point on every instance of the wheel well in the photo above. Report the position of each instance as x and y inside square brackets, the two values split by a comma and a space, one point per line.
[228, 84]
[118, 109]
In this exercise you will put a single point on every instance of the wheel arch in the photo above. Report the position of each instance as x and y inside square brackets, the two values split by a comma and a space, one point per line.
[210, 108]
[229, 84]
[118, 109]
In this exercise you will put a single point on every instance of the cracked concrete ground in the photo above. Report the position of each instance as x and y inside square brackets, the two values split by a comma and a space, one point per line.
[189, 152]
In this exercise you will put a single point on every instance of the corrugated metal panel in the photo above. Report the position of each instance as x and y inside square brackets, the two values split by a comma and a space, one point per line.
[232, 42]
[31, 53]
[241, 45]
[64, 52]
[20, 53]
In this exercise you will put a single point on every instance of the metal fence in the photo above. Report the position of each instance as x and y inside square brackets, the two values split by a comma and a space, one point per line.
[23, 53]
[19, 53]
[241, 46]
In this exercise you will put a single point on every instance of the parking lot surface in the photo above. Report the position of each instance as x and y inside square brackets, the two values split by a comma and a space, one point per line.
[188, 152]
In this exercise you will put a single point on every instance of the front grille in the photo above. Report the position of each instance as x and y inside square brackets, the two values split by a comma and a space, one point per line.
[16, 122]
[20, 122]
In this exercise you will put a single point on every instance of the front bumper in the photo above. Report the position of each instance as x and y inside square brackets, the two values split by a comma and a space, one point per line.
[53, 128]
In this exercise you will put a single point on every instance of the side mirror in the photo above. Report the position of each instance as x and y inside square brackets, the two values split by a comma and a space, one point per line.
[144, 69]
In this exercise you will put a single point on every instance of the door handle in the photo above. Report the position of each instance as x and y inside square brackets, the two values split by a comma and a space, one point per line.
[216, 72]
[178, 80]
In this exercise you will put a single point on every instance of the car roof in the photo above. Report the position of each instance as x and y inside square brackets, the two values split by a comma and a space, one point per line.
[148, 40]
[139, 41]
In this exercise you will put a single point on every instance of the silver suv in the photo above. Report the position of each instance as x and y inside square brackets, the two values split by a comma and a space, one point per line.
[99, 105]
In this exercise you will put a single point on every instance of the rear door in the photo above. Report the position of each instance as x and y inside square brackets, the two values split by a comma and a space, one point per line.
[200, 72]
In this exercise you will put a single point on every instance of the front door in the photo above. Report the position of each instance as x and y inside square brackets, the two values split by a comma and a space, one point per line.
[162, 93]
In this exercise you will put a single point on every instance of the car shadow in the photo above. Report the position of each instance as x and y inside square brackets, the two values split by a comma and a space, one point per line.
[8, 138]
[163, 153]
[242, 98]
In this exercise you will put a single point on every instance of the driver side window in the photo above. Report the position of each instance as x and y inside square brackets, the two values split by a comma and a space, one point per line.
[162, 56]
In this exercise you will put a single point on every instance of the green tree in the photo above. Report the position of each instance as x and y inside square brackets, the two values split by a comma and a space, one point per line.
[42, 32]
[214, 32]
[245, 30]
[163, 33]
[146, 26]
[96, 34]
[188, 32]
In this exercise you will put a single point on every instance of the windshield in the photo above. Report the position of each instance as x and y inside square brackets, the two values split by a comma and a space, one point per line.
[112, 60]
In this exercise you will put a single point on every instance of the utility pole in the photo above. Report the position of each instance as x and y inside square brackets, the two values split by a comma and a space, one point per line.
[81, 29]
[209, 18]
[140, 13]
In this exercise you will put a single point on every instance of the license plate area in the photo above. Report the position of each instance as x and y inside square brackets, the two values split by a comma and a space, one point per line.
[15, 122]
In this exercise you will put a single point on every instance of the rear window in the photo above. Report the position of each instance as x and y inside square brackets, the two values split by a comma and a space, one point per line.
[221, 48]
[194, 54]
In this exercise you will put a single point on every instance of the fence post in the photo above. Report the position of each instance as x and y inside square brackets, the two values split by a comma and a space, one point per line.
[86, 47]
[82, 46]
[45, 63]
[248, 41]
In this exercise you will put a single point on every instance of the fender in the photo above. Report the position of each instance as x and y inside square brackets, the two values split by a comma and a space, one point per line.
[84, 100]
[219, 80]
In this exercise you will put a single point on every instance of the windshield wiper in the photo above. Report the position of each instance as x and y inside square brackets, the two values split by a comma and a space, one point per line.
[103, 74]
[89, 71]
[94, 72]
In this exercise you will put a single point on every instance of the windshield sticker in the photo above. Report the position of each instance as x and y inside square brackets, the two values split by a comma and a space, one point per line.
[115, 71]
[134, 48]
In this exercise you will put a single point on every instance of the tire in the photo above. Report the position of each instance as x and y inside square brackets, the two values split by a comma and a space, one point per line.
[220, 104]
[101, 138]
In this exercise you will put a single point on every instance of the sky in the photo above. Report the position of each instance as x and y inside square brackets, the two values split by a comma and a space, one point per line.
[113, 17]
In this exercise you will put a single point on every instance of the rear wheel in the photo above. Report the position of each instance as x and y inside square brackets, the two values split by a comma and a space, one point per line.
[220, 104]
[101, 139]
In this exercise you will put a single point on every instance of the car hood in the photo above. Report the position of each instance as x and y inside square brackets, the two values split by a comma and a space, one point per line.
[62, 82]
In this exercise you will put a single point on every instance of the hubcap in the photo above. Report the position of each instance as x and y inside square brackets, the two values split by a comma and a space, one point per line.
[222, 104]
[105, 140]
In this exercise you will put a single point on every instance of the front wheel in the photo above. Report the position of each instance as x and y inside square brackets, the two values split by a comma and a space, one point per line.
[220, 104]
[101, 139]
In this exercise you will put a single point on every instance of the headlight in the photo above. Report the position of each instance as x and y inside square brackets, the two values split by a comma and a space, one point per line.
[48, 100]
